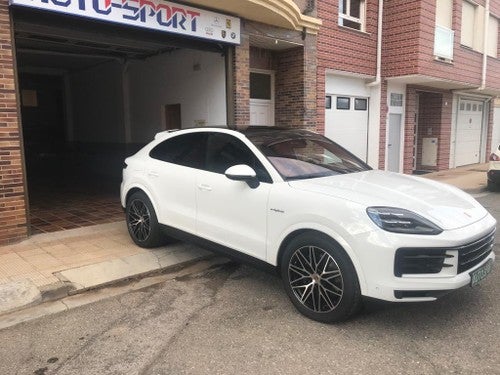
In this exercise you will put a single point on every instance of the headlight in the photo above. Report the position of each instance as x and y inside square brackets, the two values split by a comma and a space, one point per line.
[398, 220]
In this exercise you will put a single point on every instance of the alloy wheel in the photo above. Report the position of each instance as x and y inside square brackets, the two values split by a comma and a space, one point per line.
[316, 279]
[139, 220]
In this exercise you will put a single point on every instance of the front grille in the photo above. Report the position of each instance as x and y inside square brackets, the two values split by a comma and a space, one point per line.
[433, 260]
[471, 254]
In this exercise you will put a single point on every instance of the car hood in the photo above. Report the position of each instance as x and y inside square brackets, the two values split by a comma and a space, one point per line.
[445, 205]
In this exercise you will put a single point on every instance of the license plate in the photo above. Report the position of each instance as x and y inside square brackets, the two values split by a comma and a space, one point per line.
[478, 275]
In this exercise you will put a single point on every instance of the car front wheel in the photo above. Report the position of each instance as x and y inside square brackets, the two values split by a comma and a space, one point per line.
[142, 222]
[320, 279]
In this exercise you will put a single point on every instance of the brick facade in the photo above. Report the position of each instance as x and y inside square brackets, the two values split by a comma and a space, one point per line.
[13, 220]
[241, 82]
[383, 121]
[295, 81]
[296, 87]
[408, 54]
[409, 126]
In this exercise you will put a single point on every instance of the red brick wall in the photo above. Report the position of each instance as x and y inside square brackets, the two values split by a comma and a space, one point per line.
[289, 87]
[262, 59]
[411, 109]
[429, 122]
[241, 82]
[434, 120]
[13, 221]
[400, 41]
[408, 44]
[296, 86]
[342, 48]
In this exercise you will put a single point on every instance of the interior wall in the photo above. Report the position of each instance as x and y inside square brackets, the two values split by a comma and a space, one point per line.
[193, 79]
[98, 110]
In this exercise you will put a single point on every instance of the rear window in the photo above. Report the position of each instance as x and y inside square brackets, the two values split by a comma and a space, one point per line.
[187, 150]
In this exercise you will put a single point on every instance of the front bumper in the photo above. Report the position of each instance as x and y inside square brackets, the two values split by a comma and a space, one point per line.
[379, 271]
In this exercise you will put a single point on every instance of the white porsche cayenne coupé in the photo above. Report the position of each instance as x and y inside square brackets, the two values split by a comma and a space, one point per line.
[334, 228]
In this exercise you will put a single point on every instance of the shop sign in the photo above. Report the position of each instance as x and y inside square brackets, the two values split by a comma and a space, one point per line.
[150, 14]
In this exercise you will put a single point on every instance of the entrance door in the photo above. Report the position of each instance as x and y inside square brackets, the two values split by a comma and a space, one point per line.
[468, 133]
[173, 116]
[262, 98]
[394, 143]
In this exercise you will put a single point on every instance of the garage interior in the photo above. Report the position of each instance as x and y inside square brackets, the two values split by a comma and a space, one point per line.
[92, 94]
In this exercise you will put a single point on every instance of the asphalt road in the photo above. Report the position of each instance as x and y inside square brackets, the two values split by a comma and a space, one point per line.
[238, 320]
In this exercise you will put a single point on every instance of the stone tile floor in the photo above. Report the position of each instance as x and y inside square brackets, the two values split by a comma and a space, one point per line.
[38, 257]
[53, 210]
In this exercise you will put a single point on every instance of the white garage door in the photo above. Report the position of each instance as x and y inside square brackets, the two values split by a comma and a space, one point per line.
[468, 133]
[347, 123]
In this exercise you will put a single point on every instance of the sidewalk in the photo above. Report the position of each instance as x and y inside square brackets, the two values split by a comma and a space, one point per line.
[471, 178]
[53, 265]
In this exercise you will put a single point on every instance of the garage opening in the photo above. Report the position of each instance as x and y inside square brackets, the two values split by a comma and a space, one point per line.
[93, 93]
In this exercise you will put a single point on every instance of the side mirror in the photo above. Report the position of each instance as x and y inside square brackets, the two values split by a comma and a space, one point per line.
[242, 172]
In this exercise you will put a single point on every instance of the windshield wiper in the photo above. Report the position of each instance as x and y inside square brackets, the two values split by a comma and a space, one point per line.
[313, 175]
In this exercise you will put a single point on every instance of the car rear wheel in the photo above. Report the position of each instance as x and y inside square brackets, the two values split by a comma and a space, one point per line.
[320, 279]
[142, 222]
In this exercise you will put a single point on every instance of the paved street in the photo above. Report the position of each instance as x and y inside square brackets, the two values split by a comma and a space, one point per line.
[237, 320]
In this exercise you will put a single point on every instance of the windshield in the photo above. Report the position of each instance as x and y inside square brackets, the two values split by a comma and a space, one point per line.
[302, 155]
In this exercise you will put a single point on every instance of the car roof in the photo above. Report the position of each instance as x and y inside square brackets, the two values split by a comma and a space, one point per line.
[257, 134]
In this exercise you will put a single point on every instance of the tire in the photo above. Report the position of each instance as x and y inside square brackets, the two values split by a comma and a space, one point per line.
[491, 186]
[320, 279]
[142, 222]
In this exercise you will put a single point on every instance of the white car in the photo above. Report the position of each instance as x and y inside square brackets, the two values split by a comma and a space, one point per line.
[334, 228]
[493, 174]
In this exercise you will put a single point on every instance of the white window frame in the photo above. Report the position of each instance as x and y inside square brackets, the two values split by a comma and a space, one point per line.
[468, 40]
[271, 101]
[344, 14]
[492, 47]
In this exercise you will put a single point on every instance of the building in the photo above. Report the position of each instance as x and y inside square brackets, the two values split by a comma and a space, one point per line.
[85, 83]
[406, 85]
[419, 98]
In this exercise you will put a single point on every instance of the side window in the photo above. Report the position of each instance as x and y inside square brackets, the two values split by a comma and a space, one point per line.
[224, 151]
[187, 150]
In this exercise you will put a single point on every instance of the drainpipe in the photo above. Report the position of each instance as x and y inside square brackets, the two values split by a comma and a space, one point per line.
[485, 45]
[378, 77]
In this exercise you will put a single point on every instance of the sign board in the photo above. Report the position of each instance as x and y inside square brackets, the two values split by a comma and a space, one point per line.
[150, 14]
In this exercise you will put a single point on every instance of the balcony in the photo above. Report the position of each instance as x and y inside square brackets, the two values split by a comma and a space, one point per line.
[443, 43]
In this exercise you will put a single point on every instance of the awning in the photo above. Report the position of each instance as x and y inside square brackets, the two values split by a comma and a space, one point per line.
[281, 13]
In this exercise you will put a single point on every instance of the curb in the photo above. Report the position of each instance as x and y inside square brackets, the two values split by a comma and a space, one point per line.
[65, 288]
[69, 302]
[482, 189]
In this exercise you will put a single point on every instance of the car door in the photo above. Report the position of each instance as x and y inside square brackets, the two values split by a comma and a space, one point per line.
[172, 176]
[230, 212]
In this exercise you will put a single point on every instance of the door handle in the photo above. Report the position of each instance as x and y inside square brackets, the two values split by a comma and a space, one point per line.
[153, 174]
[204, 187]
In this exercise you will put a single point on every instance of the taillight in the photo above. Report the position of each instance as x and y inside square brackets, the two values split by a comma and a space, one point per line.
[494, 157]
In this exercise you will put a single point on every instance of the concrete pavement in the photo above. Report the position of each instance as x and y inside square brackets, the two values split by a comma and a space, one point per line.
[54, 265]
[470, 178]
